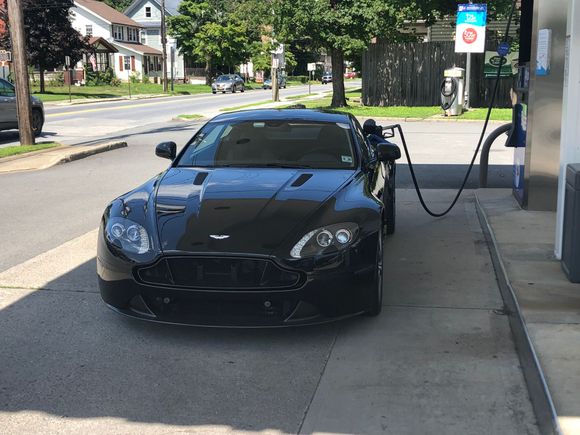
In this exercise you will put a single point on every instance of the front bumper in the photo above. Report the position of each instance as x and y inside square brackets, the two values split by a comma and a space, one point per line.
[334, 288]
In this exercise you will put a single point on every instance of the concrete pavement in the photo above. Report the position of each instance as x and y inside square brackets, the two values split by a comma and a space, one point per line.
[440, 358]
[546, 303]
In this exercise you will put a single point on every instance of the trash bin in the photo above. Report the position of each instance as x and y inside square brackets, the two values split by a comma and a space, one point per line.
[571, 237]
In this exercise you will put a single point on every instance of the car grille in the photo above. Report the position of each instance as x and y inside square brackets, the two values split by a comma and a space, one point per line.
[218, 273]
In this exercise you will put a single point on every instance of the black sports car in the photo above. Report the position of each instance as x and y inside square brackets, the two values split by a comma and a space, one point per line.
[265, 218]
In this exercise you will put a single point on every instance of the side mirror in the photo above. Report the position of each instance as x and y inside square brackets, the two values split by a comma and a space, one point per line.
[167, 150]
[388, 152]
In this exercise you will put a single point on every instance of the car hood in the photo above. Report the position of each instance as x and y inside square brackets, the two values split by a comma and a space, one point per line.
[239, 210]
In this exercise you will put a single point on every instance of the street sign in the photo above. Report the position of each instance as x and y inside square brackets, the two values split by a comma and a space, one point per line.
[470, 30]
[275, 62]
[5, 56]
[67, 61]
[312, 66]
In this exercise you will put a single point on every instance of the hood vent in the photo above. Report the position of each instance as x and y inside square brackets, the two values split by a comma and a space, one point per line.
[200, 178]
[165, 209]
[301, 180]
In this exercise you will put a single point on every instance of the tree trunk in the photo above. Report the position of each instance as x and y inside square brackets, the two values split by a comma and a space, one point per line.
[338, 95]
[42, 85]
[208, 71]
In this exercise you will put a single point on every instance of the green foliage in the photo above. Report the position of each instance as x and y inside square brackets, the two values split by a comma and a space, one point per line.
[49, 35]
[301, 79]
[135, 77]
[208, 31]
[56, 79]
[146, 79]
[120, 5]
[99, 78]
[116, 82]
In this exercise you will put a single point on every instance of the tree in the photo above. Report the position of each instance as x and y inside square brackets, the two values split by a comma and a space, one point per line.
[50, 36]
[120, 5]
[208, 31]
[346, 27]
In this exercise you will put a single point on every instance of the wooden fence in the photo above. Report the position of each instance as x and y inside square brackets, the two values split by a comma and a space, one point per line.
[410, 74]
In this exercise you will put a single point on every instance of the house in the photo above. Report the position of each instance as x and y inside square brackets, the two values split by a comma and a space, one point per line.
[116, 39]
[148, 14]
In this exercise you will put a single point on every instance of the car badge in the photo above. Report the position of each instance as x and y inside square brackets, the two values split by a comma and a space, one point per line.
[219, 236]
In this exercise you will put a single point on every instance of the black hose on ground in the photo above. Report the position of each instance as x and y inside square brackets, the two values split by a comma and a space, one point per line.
[490, 107]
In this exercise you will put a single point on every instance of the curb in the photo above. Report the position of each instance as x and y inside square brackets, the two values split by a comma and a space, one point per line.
[45, 159]
[540, 396]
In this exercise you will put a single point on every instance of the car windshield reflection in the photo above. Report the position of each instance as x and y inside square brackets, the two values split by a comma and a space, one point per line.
[272, 144]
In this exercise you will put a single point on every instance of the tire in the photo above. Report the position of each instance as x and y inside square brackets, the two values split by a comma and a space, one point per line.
[37, 122]
[243, 89]
[223, 92]
[376, 299]
[234, 89]
[214, 92]
[389, 203]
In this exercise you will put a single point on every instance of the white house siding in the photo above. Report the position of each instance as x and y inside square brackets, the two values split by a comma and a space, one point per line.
[152, 33]
[82, 18]
[124, 74]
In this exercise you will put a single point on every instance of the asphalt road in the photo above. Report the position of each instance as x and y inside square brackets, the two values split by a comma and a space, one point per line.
[82, 123]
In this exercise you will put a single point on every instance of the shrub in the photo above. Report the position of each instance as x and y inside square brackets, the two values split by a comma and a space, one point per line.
[301, 79]
[115, 81]
[56, 79]
[146, 80]
[135, 78]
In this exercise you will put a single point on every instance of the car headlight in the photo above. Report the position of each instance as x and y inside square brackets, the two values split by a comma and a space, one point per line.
[324, 240]
[127, 235]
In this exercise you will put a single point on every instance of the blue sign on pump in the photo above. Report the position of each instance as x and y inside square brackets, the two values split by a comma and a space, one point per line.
[503, 49]
[470, 30]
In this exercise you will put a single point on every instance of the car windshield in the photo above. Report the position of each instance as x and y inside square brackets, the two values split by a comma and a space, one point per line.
[293, 144]
[223, 79]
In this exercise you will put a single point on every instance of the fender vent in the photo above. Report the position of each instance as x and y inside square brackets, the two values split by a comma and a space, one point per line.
[301, 180]
[200, 178]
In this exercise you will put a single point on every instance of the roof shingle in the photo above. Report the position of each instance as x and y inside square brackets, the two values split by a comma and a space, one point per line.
[107, 12]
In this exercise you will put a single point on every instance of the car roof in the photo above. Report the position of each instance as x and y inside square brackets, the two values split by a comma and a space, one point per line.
[283, 114]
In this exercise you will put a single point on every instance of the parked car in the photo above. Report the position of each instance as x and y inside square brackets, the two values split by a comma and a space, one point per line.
[228, 83]
[265, 218]
[8, 118]
[350, 75]
[326, 78]
[281, 83]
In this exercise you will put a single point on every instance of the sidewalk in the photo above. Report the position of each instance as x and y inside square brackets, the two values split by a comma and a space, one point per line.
[549, 304]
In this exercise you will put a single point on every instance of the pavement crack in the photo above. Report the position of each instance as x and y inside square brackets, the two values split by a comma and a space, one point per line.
[331, 348]
[55, 290]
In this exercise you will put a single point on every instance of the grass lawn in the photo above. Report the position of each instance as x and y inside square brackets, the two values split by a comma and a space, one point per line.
[421, 112]
[21, 149]
[61, 93]
[192, 116]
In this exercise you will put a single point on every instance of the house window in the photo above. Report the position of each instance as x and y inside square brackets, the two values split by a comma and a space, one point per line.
[89, 30]
[127, 63]
[148, 11]
[132, 34]
[118, 33]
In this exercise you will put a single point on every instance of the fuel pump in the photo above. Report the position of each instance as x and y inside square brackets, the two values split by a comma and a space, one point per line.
[518, 132]
[452, 91]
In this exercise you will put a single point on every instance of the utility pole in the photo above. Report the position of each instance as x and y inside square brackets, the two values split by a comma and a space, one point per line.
[20, 62]
[164, 45]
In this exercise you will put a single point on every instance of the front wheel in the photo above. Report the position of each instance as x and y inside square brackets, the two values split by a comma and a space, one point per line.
[37, 122]
[376, 299]
[243, 89]
[389, 203]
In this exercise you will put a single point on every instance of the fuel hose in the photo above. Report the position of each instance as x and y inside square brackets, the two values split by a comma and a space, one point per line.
[482, 136]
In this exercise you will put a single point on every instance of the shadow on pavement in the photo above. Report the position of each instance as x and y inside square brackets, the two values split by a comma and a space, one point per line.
[64, 353]
[438, 176]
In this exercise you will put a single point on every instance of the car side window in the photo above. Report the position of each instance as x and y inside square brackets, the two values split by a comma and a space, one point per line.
[368, 153]
[6, 89]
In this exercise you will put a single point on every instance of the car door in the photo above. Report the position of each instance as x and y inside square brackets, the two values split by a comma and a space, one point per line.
[7, 105]
[377, 172]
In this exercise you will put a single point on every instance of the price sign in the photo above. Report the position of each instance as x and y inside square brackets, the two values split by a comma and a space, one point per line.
[470, 30]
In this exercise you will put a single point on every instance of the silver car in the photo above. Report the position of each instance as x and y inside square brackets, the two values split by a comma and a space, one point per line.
[8, 119]
[228, 83]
